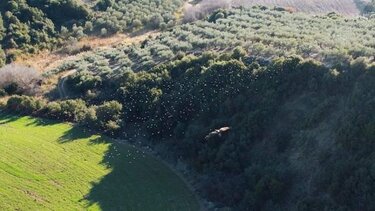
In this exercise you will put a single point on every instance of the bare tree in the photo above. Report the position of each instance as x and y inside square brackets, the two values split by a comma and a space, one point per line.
[24, 80]
[197, 11]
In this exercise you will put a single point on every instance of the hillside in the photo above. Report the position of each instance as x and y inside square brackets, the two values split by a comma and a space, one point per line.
[262, 32]
[47, 60]
[46, 165]
[27, 26]
[262, 108]
[297, 137]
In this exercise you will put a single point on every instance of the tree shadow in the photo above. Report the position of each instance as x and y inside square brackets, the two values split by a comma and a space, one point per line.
[135, 181]
[111, 191]
[108, 193]
[74, 134]
[40, 122]
[6, 118]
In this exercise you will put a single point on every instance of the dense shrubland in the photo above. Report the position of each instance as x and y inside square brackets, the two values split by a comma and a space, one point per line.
[298, 138]
[125, 15]
[30, 25]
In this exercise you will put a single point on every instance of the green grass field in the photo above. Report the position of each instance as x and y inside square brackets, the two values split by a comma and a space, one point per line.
[46, 165]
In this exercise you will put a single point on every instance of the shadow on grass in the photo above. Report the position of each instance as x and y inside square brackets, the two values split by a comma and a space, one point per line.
[74, 134]
[135, 182]
[42, 122]
[113, 192]
[6, 118]
[109, 193]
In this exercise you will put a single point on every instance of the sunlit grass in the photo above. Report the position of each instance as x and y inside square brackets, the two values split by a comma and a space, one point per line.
[53, 166]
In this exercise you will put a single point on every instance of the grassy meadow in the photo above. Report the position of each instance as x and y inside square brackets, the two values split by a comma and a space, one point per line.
[46, 165]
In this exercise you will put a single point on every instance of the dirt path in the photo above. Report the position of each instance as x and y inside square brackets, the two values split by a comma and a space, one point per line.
[47, 60]
[61, 84]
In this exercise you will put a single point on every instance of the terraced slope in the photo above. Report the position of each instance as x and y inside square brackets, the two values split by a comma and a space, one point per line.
[53, 166]
[345, 7]
[266, 33]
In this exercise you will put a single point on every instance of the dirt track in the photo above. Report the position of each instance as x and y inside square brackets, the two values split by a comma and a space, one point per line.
[61, 84]
[47, 60]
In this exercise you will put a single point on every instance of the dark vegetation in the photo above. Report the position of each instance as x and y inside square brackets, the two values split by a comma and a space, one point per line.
[276, 110]
[367, 7]
[128, 15]
[30, 25]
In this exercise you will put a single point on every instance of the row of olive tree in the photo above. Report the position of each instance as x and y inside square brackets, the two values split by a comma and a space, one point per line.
[262, 32]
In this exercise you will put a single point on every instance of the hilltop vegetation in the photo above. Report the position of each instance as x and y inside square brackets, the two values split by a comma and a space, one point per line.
[56, 22]
[261, 32]
[26, 26]
[30, 25]
[125, 15]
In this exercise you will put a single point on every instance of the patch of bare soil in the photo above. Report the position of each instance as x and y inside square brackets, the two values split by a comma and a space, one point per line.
[47, 60]
[33, 195]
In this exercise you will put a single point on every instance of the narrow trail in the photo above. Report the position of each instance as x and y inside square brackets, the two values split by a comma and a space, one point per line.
[61, 84]
[46, 60]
